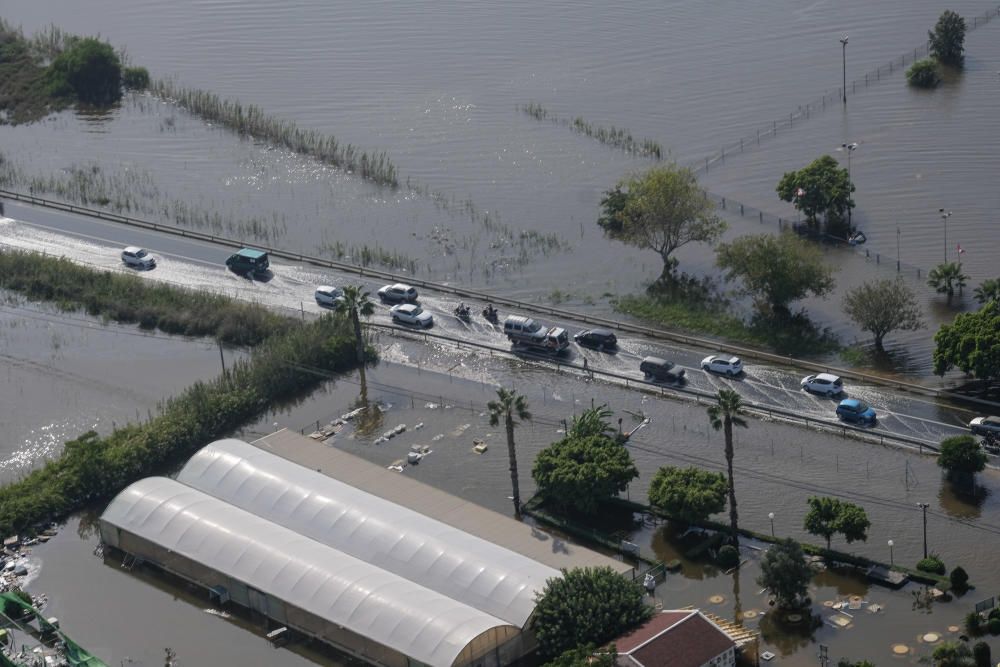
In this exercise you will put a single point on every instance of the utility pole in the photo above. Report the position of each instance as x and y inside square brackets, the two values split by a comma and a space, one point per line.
[222, 358]
[944, 216]
[850, 148]
[924, 507]
[897, 248]
[843, 42]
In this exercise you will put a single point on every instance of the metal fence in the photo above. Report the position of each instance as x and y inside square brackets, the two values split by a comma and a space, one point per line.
[830, 99]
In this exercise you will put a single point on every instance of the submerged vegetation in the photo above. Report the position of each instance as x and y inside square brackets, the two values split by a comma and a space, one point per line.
[126, 298]
[252, 121]
[616, 137]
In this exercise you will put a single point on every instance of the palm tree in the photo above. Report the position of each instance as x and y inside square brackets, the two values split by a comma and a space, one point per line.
[725, 415]
[946, 277]
[509, 407]
[988, 290]
[356, 305]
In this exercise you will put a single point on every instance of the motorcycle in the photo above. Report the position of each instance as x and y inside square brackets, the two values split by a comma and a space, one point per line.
[463, 313]
[491, 315]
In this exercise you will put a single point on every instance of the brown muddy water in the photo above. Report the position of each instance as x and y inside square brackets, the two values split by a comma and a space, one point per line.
[120, 613]
[437, 86]
[62, 374]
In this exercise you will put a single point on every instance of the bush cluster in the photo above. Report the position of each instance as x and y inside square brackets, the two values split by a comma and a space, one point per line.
[932, 564]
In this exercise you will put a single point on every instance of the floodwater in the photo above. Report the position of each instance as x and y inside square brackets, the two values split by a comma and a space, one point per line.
[62, 374]
[437, 86]
[777, 468]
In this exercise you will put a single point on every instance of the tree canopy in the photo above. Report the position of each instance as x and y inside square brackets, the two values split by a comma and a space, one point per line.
[923, 74]
[947, 40]
[688, 494]
[952, 654]
[883, 306]
[585, 467]
[586, 606]
[775, 269]
[784, 571]
[988, 290]
[89, 70]
[585, 656]
[662, 210]
[971, 343]
[828, 516]
[945, 277]
[820, 188]
[962, 455]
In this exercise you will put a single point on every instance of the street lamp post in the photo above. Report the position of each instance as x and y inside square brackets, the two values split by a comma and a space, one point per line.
[843, 43]
[850, 148]
[770, 515]
[897, 248]
[924, 507]
[944, 216]
[891, 561]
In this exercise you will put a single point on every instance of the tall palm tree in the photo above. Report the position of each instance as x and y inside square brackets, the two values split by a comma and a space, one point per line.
[511, 407]
[724, 415]
[356, 305]
[946, 277]
[988, 290]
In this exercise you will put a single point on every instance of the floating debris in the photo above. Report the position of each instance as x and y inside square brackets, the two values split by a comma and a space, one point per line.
[931, 637]
[399, 429]
[418, 426]
[900, 649]
[413, 458]
[437, 437]
[479, 446]
[216, 612]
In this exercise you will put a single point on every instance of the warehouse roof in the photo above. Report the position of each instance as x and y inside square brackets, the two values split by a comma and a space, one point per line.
[391, 610]
[395, 538]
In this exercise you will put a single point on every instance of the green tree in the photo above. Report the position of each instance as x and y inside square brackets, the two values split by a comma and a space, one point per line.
[923, 74]
[586, 656]
[945, 277]
[828, 516]
[356, 305]
[688, 494]
[661, 210]
[947, 40]
[820, 188]
[962, 457]
[952, 654]
[511, 408]
[775, 270]
[89, 70]
[971, 343]
[585, 467]
[883, 306]
[988, 290]
[590, 605]
[784, 571]
[860, 663]
[724, 415]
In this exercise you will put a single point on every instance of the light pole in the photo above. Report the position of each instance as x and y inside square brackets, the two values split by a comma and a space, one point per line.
[944, 216]
[843, 43]
[897, 248]
[924, 507]
[891, 561]
[850, 148]
[770, 515]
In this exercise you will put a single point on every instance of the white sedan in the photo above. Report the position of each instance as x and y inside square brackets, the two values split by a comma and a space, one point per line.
[329, 296]
[410, 313]
[731, 366]
[398, 292]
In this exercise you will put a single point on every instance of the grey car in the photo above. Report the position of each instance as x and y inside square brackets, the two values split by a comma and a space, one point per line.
[985, 426]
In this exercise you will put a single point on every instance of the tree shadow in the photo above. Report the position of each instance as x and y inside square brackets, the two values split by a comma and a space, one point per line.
[962, 498]
[703, 293]
[793, 333]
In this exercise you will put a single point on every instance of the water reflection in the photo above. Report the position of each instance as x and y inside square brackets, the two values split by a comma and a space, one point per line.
[962, 499]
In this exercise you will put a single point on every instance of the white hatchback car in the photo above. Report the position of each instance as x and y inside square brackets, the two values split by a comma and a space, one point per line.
[398, 293]
[410, 313]
[329, 296]
[137, 257]
[823, 383]
[731, 366]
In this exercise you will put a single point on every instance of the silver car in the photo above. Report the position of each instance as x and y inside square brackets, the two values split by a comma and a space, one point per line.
[329, 296]
[138, 258]
[410, 313]
[398, 293]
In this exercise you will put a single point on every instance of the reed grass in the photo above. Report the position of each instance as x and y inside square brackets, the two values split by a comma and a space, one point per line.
[615, 137]
[252, 121]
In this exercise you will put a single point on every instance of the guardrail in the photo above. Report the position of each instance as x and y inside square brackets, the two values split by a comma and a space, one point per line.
[758, 409]
[660, 334]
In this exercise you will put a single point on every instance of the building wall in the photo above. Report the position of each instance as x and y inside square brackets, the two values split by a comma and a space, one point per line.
[726, 659]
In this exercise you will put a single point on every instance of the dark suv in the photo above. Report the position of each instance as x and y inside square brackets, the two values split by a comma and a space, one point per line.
[600, 339]
[661, 370]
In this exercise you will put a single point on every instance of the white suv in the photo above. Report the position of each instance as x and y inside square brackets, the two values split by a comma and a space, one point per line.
[329, 296]
[398, 293]
[823, 383]
[731, 366]
[138, 258]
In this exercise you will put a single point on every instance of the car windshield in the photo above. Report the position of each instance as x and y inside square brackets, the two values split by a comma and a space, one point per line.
[532, 326]
[140, 253]
[861, 407]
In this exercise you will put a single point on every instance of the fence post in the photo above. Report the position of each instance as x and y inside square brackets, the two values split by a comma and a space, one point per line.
[741, 210]
[761, 214]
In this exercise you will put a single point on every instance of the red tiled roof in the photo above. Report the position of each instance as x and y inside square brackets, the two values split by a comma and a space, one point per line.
[675, 639]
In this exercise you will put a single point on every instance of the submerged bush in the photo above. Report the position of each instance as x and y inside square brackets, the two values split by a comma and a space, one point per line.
[135, 78]
[88, 70]
[923, 74]
[932, 564]
[728, 557]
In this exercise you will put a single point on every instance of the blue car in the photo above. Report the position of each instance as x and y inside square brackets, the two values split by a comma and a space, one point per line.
[857, 412]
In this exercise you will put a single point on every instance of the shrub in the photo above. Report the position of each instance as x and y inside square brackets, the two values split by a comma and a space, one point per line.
[728, 557]
[135, 78]
[688, 494]
[931, 564]
[923, 74]
[973, 624]
[88, 70]
[959, 579]
[994, 626]
[994, 613]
